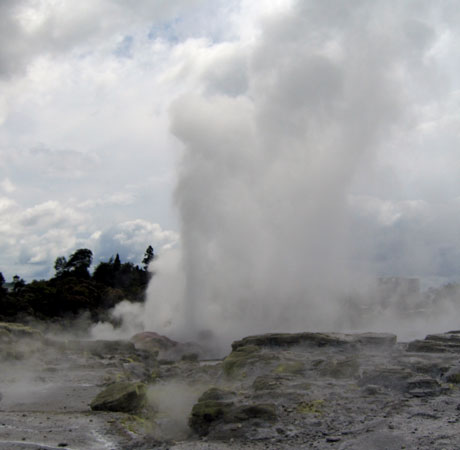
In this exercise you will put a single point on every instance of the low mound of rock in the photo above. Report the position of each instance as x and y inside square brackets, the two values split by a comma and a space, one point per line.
[164, 348]
[17, 341]
[18, 330]
[99, 347]
[223, 414]
[437, 343]
[317, 340]
[121, 397]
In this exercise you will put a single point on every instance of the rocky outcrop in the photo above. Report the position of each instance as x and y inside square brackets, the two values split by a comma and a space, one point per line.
[18, 330]
[437, 343]
[164, 348]
[18, 341]
[100, 348]
[305, 390]
[326, 388]
[153, 342]
[220, 412]
[245, 358]
[316, 340]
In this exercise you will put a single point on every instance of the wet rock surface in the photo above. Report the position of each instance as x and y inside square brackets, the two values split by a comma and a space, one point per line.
[273, 391]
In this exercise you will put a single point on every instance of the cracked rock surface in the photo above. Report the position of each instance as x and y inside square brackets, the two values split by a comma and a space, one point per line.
[272, 391]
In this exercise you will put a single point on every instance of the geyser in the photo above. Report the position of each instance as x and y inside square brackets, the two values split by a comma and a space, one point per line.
[275, 165]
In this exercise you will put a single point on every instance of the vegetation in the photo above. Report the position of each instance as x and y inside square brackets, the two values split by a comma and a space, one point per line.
[74, 290]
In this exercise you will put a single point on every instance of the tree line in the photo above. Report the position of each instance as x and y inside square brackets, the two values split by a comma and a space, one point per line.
[73, 290]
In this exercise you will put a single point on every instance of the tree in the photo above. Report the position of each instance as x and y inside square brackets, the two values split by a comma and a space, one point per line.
[60, 266]
[117, 263]
[148, 257]
[77, 264]
[18, 283]
[104, 273]
[80, 259]
[3, 291]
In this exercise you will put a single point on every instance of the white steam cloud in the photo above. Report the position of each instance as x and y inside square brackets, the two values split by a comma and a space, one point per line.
[275, 172]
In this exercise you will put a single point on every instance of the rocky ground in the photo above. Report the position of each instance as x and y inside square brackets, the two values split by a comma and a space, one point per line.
[274, 391]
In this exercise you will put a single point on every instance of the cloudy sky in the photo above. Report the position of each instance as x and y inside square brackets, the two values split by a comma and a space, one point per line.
[237, 125]
[86, 156]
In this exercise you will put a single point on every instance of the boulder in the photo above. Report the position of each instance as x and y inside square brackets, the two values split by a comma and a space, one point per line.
[122, 396]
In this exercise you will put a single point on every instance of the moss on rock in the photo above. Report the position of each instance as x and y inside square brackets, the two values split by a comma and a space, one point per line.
[204, 413]
[265, 411]
[243, 357]
[313, 407]
[216, 394]
[345, 368]
[266, 383]
[453, 378]
[20, 330]
[290, 368]
[122, 396]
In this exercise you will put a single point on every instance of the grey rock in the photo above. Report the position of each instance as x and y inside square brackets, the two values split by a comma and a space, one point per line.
[437, 343]
[423, 387]
[316, 340]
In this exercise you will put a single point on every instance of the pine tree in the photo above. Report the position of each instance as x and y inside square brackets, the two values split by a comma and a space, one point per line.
[148, 257]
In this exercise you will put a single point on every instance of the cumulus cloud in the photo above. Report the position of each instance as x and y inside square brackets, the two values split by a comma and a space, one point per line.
[63, 163]
[6, 204]
[41, 28]
[8, 186]
[82, 127]
[130, 239]
[49, 214]
[32, 238]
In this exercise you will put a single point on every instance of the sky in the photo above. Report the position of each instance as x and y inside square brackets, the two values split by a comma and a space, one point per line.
[86, 155]
[303, 140]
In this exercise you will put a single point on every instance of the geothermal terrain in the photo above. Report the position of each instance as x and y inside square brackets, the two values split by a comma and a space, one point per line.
[272, 391]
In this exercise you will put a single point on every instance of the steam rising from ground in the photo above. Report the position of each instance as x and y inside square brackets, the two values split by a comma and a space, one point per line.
[276, 166]
[174, 401]
[127, 315]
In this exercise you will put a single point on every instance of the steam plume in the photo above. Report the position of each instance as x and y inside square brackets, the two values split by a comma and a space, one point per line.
[269, 172]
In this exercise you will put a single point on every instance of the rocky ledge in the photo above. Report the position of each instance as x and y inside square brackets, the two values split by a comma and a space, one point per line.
[273, 391]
